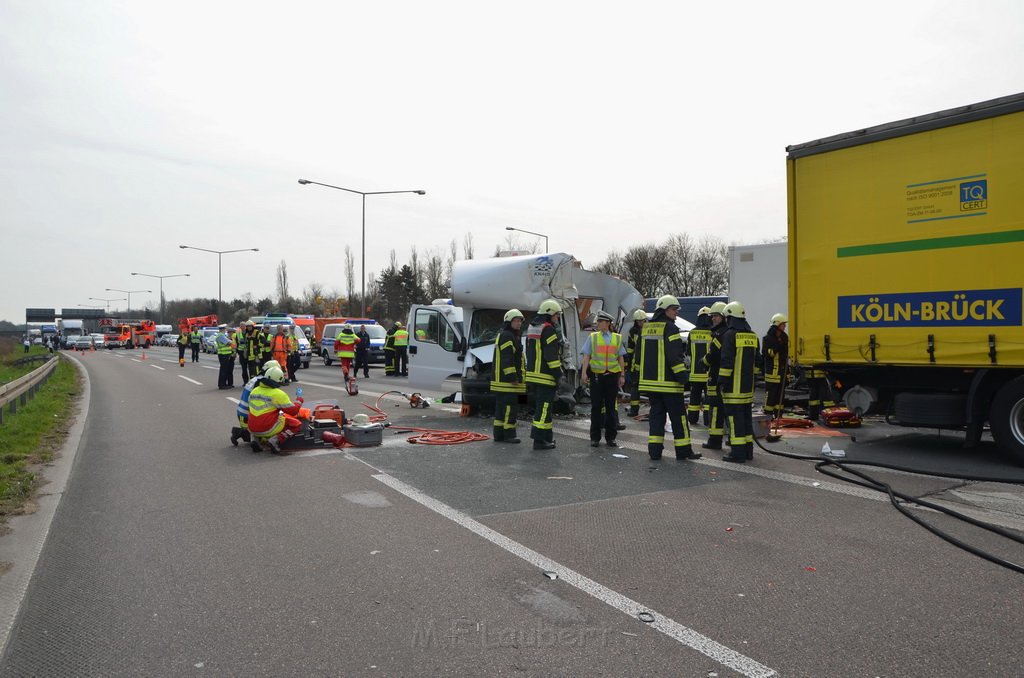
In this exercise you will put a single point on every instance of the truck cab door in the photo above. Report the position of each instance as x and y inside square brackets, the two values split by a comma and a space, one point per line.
[435, 349]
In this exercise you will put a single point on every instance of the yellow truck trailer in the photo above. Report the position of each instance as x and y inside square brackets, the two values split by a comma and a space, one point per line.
[906, 267]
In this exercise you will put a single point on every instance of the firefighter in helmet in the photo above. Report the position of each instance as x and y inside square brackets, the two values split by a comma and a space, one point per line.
[775, 348]
[736, 381]
[633, 362]
[543, 370]
[507, 384]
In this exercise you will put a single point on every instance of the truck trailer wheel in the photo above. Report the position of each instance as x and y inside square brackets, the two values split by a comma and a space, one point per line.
[1007, 419]
[931, 410]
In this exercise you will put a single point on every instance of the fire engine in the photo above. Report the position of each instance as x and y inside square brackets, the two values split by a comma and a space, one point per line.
[188, 324]
[128, 333]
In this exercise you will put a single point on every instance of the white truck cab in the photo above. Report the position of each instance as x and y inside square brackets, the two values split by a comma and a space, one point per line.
[455, 338]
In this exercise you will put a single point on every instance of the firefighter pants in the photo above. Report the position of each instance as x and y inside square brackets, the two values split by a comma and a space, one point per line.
[604, 389]
[245, 368]
[713, 402]
[542, 430]
[226, 376]
[739, 420]
[820, 395]
[254, 368]
[290, 427]
[389, 362]
[402, 361]
[506, 409]
[670, 406]
[693, 410]
[773, 398]
[195, 352]
[634, 392]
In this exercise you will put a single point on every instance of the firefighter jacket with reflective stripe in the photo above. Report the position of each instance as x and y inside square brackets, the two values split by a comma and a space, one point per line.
[345, 344]
[262, 350]
[543, 352]
[401, 338]
[662, 361]
[267, 407]
[389, 340]
[736, 371]
[698, 343]
[714, 356]
[776, 354]
[508, 362]
[632, 359]
[604, 357]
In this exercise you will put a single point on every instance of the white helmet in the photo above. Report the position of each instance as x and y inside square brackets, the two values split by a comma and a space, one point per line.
[667, 301]
[734, 309]
[717, 308]
[270, 363]
[274, 376]
[704, 310]
[549, 307]
[512, 314]
[639, 314]
[779, 318]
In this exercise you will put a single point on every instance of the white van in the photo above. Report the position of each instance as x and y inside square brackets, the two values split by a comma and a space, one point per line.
[377, 336]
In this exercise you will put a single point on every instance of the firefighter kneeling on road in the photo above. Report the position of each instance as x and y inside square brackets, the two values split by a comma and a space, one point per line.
[242, 411]
[272, 412]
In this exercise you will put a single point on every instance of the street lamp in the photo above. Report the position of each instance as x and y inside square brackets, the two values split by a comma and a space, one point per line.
[539, 235]
[161, 277]
[364, 194]
[129, 293]
[107, 301]
[219, 254]
[88, 306]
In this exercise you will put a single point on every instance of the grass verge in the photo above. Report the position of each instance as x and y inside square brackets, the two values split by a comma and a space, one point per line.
[31, 436]
[9, 353]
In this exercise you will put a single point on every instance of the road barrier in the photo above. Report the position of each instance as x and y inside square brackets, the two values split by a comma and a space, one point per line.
[18, 392]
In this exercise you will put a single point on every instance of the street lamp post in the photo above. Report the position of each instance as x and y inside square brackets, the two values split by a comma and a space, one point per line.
[107, 301]
[161, 277]
[129, 293]
[539, 235]
[364, 194]
[219, 253]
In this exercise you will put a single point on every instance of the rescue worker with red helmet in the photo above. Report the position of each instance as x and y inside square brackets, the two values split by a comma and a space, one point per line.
[271, 412]
[775, 348]
[632, 362]
[736, 381]
[507, 384]
[697, 346]
[711, 360]
[543, 370]
[603, 357]
[663, 378]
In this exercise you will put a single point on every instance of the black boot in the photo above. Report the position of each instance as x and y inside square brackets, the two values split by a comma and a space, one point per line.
[633, 411]
[543, 445]
[686, 452]
[692, 417]
[236, 433]
[713, 443]
[498, 434]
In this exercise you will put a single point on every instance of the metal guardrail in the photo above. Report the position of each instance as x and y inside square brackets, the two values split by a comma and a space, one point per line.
[17, 393]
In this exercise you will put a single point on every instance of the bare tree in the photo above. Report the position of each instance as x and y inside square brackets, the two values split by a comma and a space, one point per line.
[313, 298]
[435, 281]
[282, 285]
[612, 265]
[644, 267]
[393, 261]
[414, 265]
[711, 267]
[679, 271]
[513, 243]
[350, 276]
[467, 246]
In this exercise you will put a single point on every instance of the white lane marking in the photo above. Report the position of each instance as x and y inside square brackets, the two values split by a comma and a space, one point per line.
[673, 629]
[234, 400]
[136, 360]
[182, 376]
[156, 367]
[207, 367]
[166, 360]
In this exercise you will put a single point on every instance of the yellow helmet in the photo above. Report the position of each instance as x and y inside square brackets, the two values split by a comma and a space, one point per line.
[667, 301]
[639, 314]
[734, 309]
[704, 310]
[512, 315]
[779, 318]
[549, 307]
[398, 323]
[717, 308]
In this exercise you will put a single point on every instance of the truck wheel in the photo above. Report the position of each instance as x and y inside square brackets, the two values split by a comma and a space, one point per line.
[931, 410]
[327, 359]
[1007, 419]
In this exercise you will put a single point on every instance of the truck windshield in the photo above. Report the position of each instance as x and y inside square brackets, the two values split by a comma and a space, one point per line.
[485, 326]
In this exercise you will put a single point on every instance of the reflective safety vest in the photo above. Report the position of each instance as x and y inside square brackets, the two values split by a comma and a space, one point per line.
[279, 344]
[239, 337]
[345, 345]
[293, 344]
[604, 357]
[662, 368]
[699, 341]
[183, 339]
[196, 337]
[401, 337]
[267, 407]
[224, 346]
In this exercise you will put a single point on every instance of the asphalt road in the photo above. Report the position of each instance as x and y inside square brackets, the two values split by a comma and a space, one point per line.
[174, 554]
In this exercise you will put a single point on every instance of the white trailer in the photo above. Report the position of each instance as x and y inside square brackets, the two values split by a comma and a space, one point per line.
[759, 279]
[456, 340]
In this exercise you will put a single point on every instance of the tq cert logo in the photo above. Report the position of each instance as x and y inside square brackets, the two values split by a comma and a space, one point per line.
[977, 308]
[973, 195]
